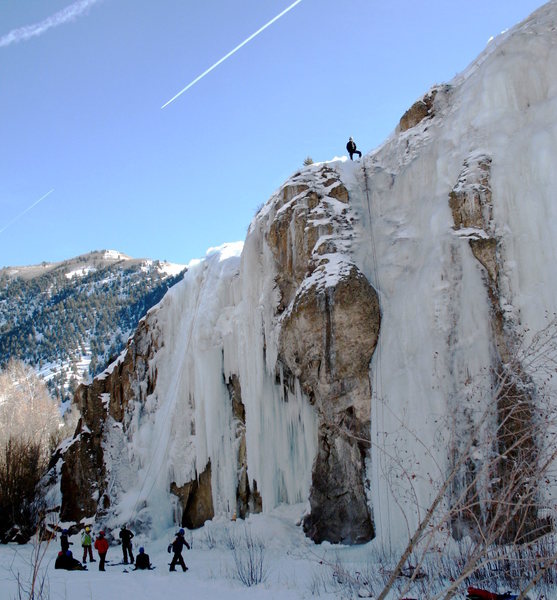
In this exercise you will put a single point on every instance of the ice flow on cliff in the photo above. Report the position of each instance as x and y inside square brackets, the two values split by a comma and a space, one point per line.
[435, 332]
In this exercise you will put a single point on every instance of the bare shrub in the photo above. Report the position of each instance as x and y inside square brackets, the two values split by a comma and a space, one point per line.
[35, 585]
[357, 582]
[249, 559]
[209, 538]
[20, 471]
[491, 493]
[230, 538]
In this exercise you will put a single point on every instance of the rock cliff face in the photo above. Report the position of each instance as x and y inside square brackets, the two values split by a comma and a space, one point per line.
[328, 360]
[325, 317]
[102, 405]
[471, 203]
[328, 333]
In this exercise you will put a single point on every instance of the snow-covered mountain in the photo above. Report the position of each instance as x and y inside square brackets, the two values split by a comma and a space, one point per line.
[71, 318]
[349, 338]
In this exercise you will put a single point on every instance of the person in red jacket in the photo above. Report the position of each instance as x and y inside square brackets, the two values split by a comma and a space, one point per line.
[101, 546]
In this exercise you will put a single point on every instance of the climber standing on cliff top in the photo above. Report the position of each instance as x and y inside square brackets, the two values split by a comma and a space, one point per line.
[351, 147]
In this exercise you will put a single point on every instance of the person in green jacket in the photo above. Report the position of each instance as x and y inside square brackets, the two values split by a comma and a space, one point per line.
[86, 544]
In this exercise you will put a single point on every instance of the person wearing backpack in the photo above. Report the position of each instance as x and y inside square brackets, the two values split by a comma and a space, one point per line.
[177, 546]
[87, 545]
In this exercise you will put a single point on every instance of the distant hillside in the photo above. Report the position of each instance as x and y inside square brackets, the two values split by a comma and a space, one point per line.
[69, 319]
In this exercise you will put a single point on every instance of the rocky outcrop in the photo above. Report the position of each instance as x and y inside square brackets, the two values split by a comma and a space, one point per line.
[329, 326]
[248, 499]
[196, 500]
[471, 203]
[326, 320]
[420, 110]
[327, 341]
[83, 472]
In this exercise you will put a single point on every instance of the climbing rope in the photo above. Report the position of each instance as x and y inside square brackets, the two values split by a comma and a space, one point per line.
[377, 373]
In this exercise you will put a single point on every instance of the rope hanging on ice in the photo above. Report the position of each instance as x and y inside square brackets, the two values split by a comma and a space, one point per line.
[377, 379]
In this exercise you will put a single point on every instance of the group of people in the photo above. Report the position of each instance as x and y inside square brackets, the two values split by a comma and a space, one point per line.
[65, 559]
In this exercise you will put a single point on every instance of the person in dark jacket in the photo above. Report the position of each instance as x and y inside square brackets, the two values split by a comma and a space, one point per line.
[101, 545]
[351, 147]
[177, 546]
[65, 560]
[126, 536]
[64, 541]
[142, 560]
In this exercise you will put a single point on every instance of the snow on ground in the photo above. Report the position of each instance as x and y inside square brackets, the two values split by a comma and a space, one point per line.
[295, 566]
[171, 269]
[80, 272]
[115, 255]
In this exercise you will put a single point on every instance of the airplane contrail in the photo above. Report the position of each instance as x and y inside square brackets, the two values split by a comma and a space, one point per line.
[231, 52]
[25, 211]
[62, 16]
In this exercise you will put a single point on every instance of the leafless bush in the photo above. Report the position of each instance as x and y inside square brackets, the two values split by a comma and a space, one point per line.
[488, 492]
[491, 494]
[209, 538]
[35, 585]
[359, 582]
[249, 559]
[230, 538]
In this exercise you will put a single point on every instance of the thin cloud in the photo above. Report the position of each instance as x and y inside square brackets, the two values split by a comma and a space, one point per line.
[70, 13]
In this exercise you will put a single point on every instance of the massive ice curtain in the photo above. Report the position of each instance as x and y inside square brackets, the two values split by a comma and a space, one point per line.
[323, 361]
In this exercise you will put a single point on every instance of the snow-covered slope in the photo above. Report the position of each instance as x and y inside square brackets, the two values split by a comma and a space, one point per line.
[249, 395]
[69, 319]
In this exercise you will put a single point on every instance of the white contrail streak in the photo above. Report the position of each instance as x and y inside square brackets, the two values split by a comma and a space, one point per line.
[25, 211]
[231, 52]
[69, 13]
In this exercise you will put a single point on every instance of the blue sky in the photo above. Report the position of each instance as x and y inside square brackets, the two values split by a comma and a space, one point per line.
[80, 106]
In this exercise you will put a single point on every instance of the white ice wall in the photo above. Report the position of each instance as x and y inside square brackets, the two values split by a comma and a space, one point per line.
[435, 339]
[211, 326]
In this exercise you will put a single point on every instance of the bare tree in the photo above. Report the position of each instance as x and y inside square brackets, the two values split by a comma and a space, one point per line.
[30, 425]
